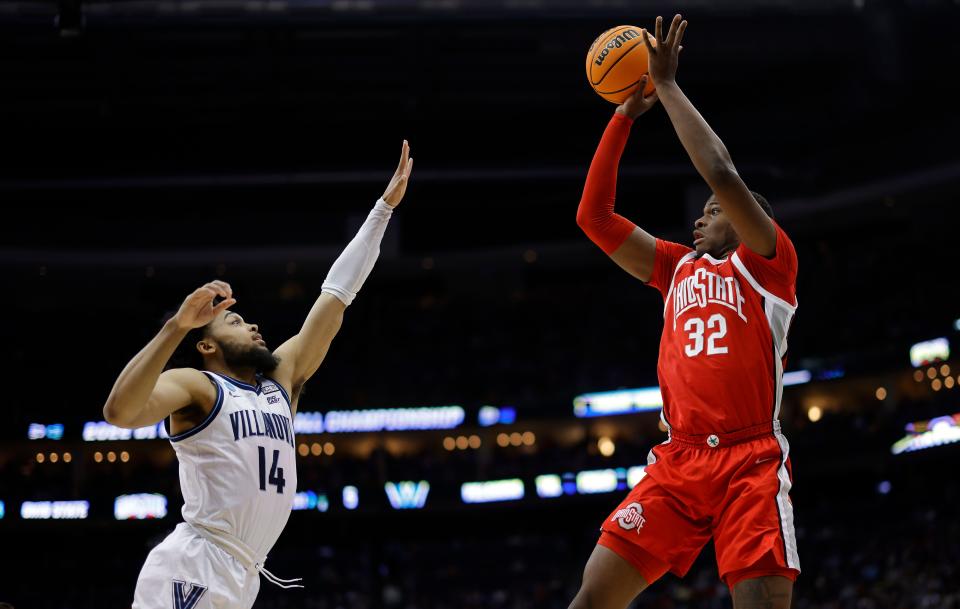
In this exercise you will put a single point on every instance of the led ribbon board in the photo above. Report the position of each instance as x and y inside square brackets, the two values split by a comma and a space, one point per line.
[589, 482]
[351, 497]
[309, 500]
[381, 419]
[929, 351]
[54, 510]
[796, 377]
[597, 481]
[141, 506]
[549, 485]
[407, 494]
[492, 415]
[39, 431]
[624, 401]
[510, 489]
[101, 431]
[928, 434]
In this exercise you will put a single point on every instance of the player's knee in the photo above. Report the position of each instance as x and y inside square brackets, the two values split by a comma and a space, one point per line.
[579, 601]
[594, 594]
[770, 592]
[589, 599]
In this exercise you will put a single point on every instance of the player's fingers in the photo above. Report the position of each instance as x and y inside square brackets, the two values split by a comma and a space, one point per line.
[200, 297]
[658, 29]
[404, 152]
[217, 290]
[409, 169]
[646, 41]
[672, 32]
[226, 302]
[224, 286]
[680, 30]
[652, 98]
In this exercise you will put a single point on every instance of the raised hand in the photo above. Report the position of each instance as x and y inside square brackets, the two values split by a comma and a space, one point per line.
[663, 57]
[198, 308]
[637, 104]
[398, 183]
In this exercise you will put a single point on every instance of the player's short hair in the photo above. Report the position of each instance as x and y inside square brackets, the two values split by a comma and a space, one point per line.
[186, 354]
[762, 200]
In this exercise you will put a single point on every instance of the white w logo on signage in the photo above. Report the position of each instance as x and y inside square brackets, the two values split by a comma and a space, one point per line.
[407, 494]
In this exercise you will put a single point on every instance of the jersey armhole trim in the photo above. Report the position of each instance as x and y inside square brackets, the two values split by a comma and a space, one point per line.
[282, 390]
[210, 417]
[756, 284]
[676, 270]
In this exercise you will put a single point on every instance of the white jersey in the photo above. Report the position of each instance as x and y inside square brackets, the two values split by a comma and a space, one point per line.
[238, 470]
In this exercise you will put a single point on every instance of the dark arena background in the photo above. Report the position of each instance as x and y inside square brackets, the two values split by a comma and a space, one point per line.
[454, 452]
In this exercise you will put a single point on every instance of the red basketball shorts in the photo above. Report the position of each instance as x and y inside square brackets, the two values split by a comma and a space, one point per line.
[733, 488]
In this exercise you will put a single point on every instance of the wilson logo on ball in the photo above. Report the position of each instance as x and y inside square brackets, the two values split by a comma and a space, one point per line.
[616, 43]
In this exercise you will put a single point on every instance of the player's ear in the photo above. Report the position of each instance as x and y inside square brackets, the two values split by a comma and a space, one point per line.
[206, 347]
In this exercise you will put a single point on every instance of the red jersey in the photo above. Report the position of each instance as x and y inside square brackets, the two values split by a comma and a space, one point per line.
[724, 341]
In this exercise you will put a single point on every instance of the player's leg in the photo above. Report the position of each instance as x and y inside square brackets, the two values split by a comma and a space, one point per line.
[609, 582]
[754, 534]
[656, 528]
[767, 592]
[187, 572]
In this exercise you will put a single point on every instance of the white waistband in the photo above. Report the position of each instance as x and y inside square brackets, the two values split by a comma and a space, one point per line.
[243, 553]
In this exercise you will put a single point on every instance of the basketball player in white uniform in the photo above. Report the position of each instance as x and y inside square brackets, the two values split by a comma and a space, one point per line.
[231, 425]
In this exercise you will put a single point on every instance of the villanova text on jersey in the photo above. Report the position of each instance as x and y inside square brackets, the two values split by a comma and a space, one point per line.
[250, 423]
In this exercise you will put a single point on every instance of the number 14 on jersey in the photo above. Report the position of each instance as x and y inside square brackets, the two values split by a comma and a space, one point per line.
[276, 473]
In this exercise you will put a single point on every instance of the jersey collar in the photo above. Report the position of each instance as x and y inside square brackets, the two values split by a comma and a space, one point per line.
[241, 384]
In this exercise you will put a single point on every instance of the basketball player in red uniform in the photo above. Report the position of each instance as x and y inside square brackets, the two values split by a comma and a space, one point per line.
[723, 473]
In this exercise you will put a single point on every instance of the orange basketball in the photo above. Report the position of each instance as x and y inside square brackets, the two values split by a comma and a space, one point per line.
[616, 61]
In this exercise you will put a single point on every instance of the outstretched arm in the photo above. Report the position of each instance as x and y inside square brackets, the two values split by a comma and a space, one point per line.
[628, 245]
[144, 394]
[302, 355]
[706, 150]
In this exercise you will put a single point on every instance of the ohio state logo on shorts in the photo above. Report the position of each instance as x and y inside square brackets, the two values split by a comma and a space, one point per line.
[630, 517]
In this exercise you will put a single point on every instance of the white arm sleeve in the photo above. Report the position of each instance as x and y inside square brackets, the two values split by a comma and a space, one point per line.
[352, 267]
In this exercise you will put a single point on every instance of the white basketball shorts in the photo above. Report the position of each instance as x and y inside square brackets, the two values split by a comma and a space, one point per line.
[188, 572]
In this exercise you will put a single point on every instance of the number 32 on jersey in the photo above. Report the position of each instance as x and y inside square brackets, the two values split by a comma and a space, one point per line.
[710, 333]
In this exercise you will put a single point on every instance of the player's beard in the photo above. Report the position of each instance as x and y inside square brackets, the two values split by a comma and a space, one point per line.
[256, 357]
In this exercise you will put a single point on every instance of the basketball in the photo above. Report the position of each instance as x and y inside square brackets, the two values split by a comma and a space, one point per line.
[616, 61]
